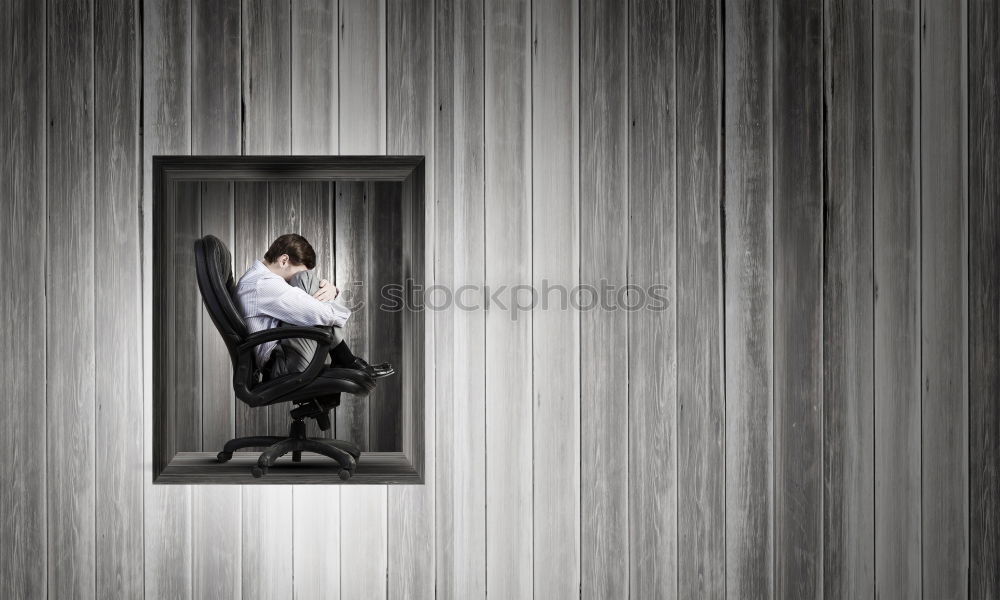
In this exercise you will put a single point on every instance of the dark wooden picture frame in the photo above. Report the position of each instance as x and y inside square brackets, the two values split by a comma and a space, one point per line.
[174, 466]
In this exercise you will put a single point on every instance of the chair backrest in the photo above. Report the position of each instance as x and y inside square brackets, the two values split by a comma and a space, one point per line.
[215, 281]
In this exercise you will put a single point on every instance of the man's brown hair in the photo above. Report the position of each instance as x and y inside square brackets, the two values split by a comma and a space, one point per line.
[296, 247]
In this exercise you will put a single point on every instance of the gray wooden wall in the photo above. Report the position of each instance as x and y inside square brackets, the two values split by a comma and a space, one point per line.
[818, 414]
[355, 228]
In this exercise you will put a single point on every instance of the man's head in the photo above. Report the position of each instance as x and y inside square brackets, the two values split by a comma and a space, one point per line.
[290, 254]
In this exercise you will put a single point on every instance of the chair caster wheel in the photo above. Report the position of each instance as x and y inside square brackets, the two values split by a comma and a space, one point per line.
[258, 471]
[223, 456]
[344, 474]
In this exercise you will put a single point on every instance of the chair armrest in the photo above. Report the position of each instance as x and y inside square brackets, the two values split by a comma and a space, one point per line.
[320, 333]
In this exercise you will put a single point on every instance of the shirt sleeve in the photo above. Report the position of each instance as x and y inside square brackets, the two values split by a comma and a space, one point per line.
[295, 306]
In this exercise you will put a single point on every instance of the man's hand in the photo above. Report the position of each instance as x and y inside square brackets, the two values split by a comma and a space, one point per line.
[326, 291]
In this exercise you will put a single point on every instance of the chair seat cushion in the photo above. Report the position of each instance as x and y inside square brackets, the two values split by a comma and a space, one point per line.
[331, 380]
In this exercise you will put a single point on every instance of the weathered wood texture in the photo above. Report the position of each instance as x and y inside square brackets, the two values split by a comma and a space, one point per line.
[650, 302]
[508, 220]
[604, 234]
[944, 342]
[23, 225]
[409, 130]
[984, 299]
[815, 413]
[555, 331]
[166, 36]
[749, 301]
[71, 354]
[797, 131]
[701, 393]
[848, 307]
[216, 128]
[896, 143]
[117, 333]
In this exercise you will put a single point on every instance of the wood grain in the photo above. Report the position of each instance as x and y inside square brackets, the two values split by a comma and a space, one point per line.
[351, 218]
[185, 201]
[652, 328]
[71, 354]
[268, 546]
[701, 394]
[315, 129]
[362, 123]
[444, 312]
[848, 308]
[748, 276]
[250, 240]
[216, 128]
[604, 233]
[798, 298]
[314, 81]
[23, 214]
[216, 59]
[555, 240]
[943, 302]
[984, 298]
[409, 120]
[898, 542]
[508, 227]
[384, 253]
[460, 498]
[166, 130]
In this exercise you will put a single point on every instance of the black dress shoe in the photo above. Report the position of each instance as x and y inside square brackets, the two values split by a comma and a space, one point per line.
[374, 371]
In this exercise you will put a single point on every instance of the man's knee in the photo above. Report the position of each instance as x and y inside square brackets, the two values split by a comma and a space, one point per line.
[305, 280]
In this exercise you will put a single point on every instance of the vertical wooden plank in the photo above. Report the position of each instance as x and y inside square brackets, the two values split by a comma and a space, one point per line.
[701, 408]
[555, 262]
[215, 75]
[216, 510]
[187, 309]
[267, 510]
[409, 120]
[465, 577]
[362, 123]
[362, 54]
[317, 226]
[652, 322]
[70, 401]
[848, 307]
[798, 298]
[984, 298]
[314, 77]
[250, 230]
[24, 563]
[604, 230]
[266, 77]
[384, 253]
[748, 300]
[315, 89]
[508, 220]
[897, 299]
[284, 215]
[351, 275]
[166, 130]
[216, 128]
[439, 301]
[117, 333]
[943, 302]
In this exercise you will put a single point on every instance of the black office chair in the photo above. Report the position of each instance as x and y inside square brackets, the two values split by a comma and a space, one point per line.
[313, 392]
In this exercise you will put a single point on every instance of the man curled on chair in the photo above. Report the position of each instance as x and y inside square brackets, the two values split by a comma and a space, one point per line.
[283, 290]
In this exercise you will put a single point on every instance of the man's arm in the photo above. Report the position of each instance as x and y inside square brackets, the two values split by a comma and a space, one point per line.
[295, 306]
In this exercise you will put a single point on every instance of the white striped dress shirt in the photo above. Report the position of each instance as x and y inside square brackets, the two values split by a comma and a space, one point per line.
[264, 298]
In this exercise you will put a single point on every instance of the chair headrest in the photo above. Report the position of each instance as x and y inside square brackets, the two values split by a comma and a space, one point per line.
[215, 280]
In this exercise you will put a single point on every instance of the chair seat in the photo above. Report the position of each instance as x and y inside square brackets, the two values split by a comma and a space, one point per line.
[331, 380]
